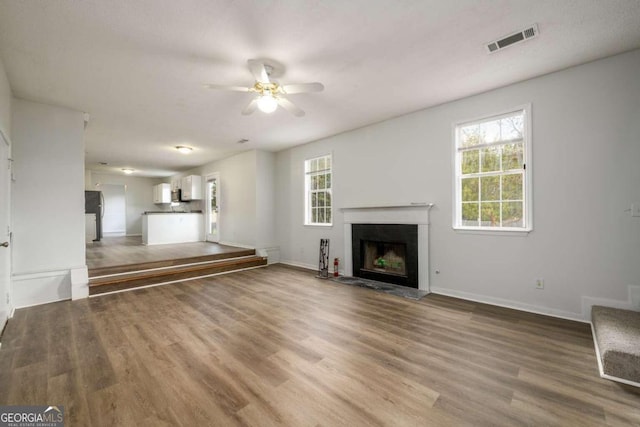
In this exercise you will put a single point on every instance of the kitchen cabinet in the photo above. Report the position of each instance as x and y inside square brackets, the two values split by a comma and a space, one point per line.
[89, 227]
[164, 228]
[162, 193]
[192, 187]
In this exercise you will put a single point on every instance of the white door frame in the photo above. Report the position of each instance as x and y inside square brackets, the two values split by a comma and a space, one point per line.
[5, 231]
[207, 221]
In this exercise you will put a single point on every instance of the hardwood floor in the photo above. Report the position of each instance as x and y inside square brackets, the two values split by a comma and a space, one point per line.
[277, 346]
[116, 251]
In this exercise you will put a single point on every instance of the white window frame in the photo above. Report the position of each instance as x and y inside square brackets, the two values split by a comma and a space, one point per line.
[527, 176]
[308, 191]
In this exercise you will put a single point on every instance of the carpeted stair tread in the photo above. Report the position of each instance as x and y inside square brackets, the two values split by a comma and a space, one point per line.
[617, 333]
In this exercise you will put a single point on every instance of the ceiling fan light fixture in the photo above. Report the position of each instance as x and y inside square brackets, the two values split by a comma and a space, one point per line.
[267, 103]
[184, 149]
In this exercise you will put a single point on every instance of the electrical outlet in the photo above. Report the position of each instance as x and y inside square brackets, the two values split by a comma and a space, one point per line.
[539, 283]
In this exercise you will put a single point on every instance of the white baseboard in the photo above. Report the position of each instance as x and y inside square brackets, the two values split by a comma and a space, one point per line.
[79, 282]
[510, 304]
[29, 289]
[631, 303]
[299, 264]
[272, 254]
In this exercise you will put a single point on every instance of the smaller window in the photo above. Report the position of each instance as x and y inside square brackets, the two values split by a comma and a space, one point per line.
[318, 191]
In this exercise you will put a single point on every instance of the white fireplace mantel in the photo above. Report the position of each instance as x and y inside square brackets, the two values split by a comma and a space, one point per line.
[411, 213]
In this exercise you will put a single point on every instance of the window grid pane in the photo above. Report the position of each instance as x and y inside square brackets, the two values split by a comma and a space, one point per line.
[491, 172]
[318, 188]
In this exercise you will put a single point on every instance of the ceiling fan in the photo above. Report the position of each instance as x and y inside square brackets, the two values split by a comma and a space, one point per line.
[270, 94]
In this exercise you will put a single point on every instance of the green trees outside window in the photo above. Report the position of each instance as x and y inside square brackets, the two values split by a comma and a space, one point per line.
[318, 191]
[491, 172]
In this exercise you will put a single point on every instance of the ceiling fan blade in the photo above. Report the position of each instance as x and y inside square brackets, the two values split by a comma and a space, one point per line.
[251, 107]
[290, 107]
[303, 88]
[233, 88]
[258, 70]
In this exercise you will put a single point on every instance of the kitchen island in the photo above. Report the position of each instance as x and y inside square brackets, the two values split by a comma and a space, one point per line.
[160, 228]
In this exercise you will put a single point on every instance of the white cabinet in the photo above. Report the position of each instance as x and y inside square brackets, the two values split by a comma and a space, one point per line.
[165, 228]
[162, 193]
[192, 187]
[89, 227]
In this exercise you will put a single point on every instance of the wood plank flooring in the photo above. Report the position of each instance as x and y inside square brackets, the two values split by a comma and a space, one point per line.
[278, 347]
[116, 251]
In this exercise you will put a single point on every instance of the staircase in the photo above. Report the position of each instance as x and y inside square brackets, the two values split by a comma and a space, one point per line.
[125, 277]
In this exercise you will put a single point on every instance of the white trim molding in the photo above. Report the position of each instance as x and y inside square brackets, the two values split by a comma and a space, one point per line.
[631, 303]
[272, 254]
[515, 305]
[299, 265]
[79, 282]
[410, 213]
[29, 289]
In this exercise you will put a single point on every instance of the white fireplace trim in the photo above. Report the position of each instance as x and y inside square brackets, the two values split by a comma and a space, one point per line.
[412, 213]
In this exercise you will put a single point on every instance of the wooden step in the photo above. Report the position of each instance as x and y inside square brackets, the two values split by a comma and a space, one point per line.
[148, 277]
[125, 268]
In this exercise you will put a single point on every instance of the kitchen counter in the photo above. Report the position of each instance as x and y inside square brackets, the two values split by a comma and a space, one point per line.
[172, 227]
[170, 212]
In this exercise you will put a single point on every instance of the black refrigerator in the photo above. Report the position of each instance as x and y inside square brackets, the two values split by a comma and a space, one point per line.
[94, 204]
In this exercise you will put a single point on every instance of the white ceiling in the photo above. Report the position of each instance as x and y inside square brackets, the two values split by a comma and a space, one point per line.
[137, 67]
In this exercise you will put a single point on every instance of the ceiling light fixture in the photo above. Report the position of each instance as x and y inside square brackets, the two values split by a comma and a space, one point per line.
[267, 103]
[184, 149]
[127, 171]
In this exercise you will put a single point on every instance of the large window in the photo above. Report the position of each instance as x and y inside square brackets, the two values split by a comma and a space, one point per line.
[318, 191]
[492, 166]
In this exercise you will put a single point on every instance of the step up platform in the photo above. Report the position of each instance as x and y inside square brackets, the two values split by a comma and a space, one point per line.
[127, 277]
[616, 334]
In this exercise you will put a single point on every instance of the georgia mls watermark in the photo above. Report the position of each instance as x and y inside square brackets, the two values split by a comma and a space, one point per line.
[31, 416]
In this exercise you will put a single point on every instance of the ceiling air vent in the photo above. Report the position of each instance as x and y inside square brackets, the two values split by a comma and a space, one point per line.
[511, 39]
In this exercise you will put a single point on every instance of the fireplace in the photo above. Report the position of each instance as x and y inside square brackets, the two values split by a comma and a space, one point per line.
[386, 253]
[415, 214]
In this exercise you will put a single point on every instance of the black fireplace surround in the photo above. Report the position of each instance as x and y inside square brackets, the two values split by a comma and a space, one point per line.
[404, 234]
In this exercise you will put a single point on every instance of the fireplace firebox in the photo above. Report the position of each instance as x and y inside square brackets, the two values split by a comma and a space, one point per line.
[386, 253]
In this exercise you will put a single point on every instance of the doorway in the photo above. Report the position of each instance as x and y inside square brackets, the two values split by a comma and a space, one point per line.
[114, 221]
[212, 224]
[5, 235]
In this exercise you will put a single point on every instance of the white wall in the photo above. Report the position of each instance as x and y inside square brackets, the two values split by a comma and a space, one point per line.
[138, 199]
[48, 201]
[265, 201]
[586, 130]
[114, 222]
[238, 201]
[5, 102]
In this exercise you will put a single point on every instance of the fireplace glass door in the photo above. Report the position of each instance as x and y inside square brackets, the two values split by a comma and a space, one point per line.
[387, 258]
